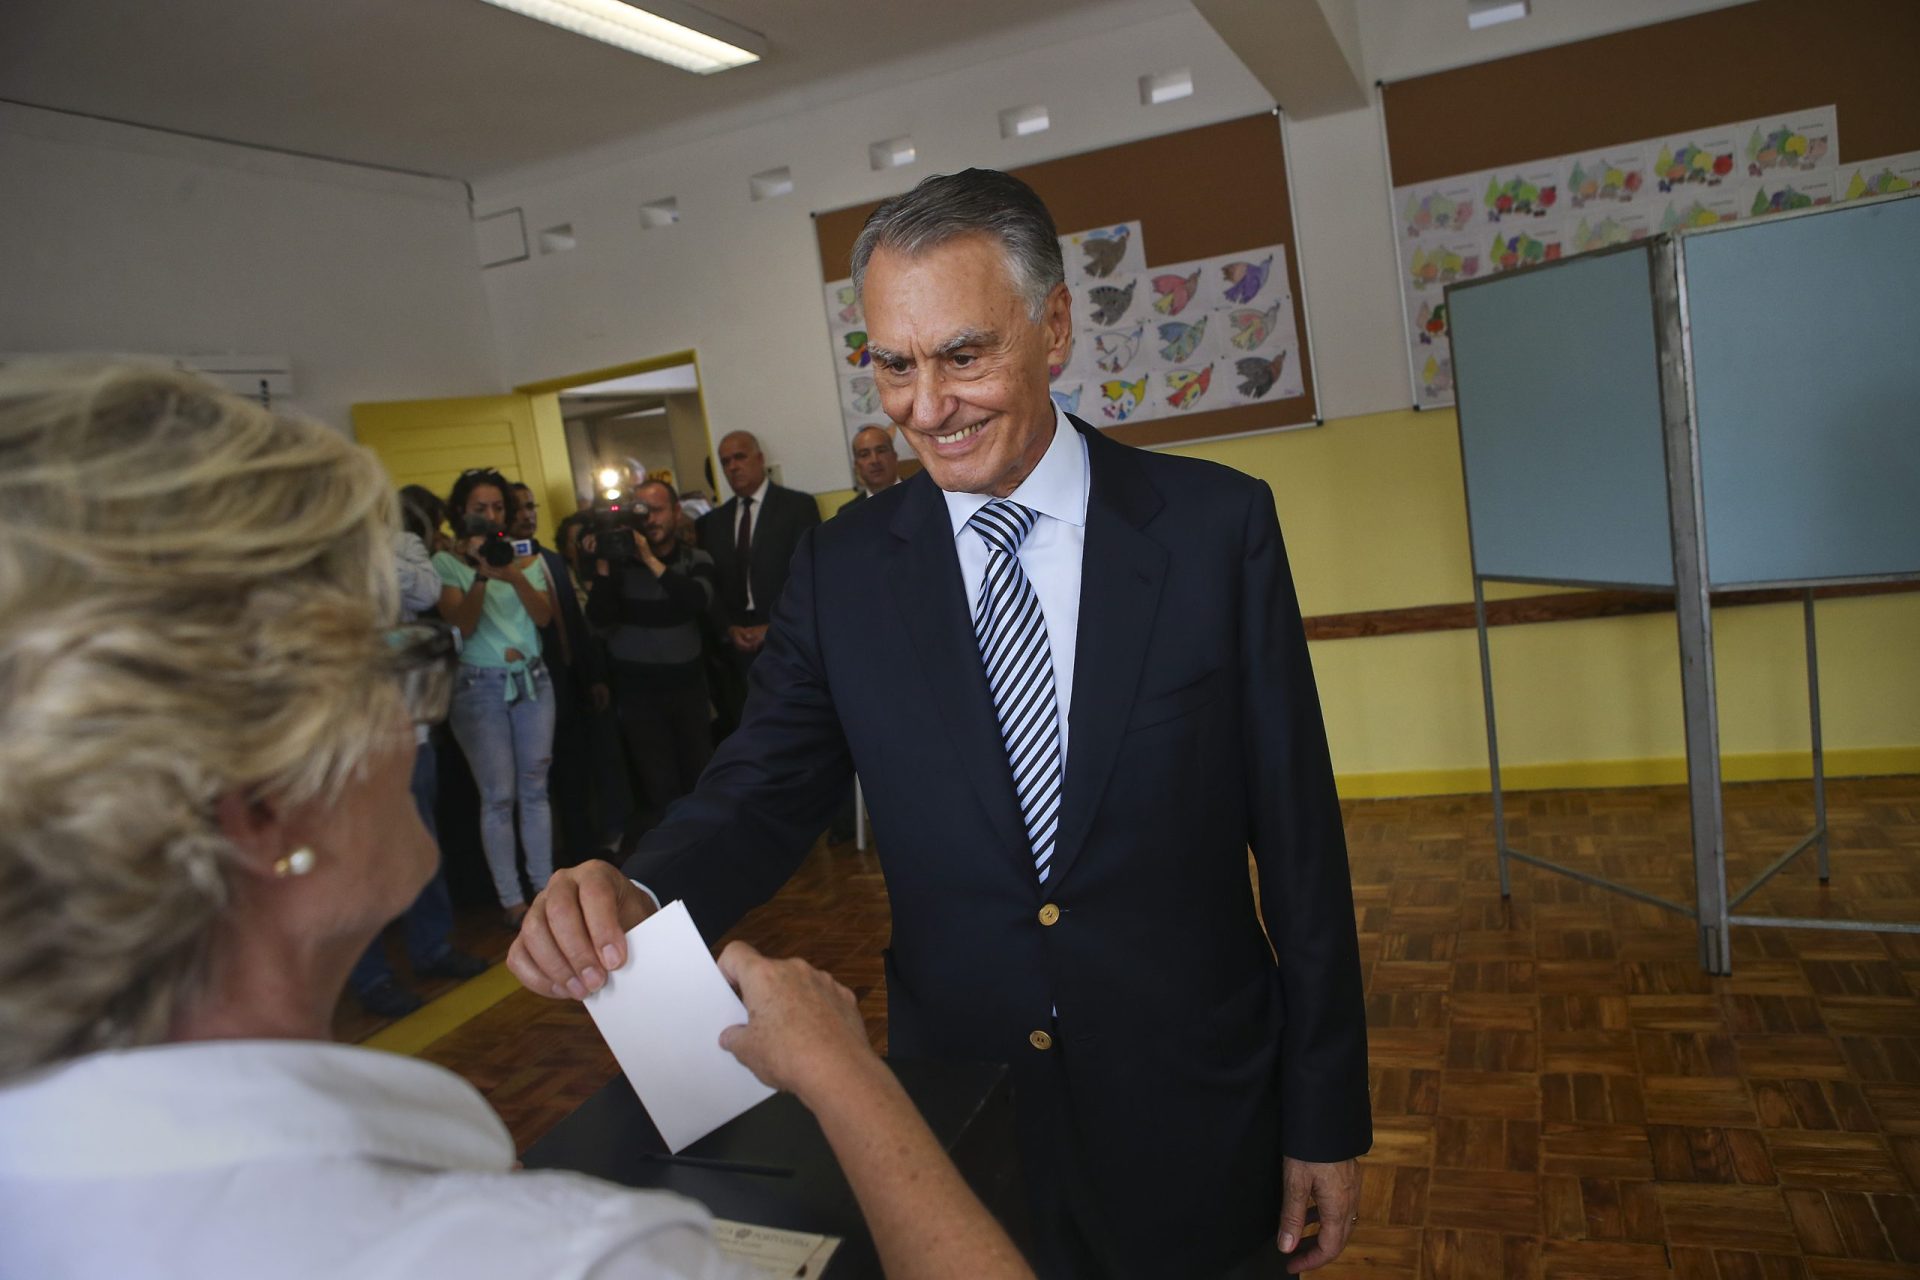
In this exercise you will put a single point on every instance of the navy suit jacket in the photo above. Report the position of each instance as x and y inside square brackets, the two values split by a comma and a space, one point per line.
[1193, 1060]
[777, 528]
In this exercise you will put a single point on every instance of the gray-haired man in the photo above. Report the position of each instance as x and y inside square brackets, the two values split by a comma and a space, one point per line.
[1102, 699]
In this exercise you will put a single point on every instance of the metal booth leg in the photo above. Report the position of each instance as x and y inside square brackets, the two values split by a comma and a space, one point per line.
[859, 816]
[1692, 607]
[1819, 756]
[1493, 737]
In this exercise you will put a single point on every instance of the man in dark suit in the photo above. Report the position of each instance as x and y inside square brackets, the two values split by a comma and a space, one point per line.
[875, 464]
[751, 537]
[1103, 700]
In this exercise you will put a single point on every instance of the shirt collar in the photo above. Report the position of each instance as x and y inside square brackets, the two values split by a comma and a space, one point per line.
[217, 1104]
[1056, 487]
[759, 495]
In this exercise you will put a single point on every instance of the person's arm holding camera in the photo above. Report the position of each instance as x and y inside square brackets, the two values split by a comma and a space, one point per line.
[462, 609]
[537, 603]
[684, 590]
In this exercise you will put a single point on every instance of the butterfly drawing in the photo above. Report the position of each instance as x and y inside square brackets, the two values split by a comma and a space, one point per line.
[1114, 349]
[1177, 341]
[1257, 376]
[1122, 398]
[1172, 293]
[849, 299]
[1111, 303]
[1187, 386]
[857, 354]
[1104, 249]
[1055, 370]
[1251, 328]
[864, 399]
[1068, 403]
[1244, 279]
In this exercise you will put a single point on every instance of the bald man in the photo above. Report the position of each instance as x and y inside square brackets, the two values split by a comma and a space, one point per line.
[875, 463]
[751, 538]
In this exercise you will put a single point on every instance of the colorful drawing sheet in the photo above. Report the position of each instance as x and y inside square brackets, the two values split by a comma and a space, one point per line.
[1603, 228]
[1883, 177]
[1523, 215]
[1104, 253]
[1608, 180]
[853, 366]
[1166, 341]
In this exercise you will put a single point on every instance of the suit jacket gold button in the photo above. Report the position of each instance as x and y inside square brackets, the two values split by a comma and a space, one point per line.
[1049, 914]
[1040, 1040]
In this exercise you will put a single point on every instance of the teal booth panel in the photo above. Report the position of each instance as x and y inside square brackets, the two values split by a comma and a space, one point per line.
[1558, 393]
[1805, 336]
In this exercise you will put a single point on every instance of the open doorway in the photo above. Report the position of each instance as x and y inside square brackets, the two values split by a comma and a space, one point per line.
[646, 420]
[644, 425]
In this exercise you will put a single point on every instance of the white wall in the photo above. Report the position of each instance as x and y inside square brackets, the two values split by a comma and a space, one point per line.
[116, 239]
[739, 281]
[1400, 39]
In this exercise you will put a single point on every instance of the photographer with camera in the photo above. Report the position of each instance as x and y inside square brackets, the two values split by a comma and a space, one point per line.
[655, 597]
[496, 592]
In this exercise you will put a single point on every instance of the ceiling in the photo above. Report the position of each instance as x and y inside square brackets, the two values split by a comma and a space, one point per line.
[455, 87]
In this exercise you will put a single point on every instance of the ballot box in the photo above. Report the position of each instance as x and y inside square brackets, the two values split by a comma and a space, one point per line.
[772, 1167]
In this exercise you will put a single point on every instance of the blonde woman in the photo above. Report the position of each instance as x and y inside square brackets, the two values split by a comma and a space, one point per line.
[206, 733]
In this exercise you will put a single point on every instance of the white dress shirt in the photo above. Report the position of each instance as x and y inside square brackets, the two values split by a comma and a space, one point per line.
[1057, 490]
[299, 1159]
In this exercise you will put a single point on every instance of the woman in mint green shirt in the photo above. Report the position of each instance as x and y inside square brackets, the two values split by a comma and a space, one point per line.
[503, 710]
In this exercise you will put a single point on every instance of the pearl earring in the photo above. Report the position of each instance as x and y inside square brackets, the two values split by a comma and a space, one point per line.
[297, 863]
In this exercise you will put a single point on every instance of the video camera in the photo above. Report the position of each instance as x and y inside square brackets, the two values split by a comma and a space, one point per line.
[496, 548]
[616, 534]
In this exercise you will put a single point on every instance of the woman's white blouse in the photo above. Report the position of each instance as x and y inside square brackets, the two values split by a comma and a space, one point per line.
[296, 1159]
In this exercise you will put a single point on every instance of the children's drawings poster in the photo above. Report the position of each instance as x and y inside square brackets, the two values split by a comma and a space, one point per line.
[1521, 215]
[1148, 343]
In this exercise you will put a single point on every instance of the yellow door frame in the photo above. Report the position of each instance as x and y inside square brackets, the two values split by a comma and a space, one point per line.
[545, 395]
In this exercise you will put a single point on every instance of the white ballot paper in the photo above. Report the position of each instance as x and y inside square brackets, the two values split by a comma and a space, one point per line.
[662, 1015]
[771, 1252]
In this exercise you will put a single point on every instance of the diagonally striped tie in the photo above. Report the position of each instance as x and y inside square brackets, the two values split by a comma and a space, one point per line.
[1013, 646]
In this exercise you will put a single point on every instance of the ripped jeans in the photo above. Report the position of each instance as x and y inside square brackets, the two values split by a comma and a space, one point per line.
[509, 748]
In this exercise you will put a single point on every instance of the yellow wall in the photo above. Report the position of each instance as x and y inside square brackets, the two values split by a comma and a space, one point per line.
[1375, 518]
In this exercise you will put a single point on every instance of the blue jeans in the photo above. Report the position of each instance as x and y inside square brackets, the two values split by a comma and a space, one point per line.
[429, 921]
[509, 748]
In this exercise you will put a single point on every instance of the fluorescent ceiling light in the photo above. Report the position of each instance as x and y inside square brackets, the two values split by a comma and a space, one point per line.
[1491, 13]
[647, 33]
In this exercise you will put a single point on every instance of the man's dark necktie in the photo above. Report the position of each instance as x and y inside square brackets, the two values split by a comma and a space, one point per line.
[743, 548]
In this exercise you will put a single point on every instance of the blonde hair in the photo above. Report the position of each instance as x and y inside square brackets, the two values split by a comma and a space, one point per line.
[192, 594]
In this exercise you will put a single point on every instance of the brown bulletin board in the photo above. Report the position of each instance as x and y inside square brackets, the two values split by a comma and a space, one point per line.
[1762, 58]
[1213, 190]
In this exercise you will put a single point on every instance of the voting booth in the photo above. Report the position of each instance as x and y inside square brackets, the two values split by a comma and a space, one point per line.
[1735, 406]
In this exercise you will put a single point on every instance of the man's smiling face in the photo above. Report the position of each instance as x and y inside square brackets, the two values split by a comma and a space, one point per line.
[960, 364]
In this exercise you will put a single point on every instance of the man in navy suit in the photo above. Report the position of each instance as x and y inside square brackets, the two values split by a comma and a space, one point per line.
[751, 537]
[1102, 701]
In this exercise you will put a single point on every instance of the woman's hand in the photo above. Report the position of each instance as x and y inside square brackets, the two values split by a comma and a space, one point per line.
[510, 573]
[803, 1031]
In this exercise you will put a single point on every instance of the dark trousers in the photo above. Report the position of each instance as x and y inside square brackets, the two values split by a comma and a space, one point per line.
[429, 921]
[669, 740]
[1067, 1238]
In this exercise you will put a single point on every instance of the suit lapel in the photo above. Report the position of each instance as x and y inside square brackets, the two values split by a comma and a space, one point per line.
[924, 574]
[1121, 570]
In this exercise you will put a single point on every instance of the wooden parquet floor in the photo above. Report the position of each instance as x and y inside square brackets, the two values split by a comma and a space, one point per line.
[1558, 1091]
